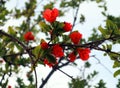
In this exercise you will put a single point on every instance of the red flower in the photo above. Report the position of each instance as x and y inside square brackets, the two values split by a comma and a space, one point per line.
[84, 53]
[75, 37]
[72, 57]
[46, 62]
[44, 45]
[67, 26]
[50, 15]
[28, 36]
[57, 51]
[9, 86]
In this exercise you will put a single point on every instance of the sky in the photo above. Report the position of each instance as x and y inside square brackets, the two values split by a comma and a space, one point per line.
[93, 19]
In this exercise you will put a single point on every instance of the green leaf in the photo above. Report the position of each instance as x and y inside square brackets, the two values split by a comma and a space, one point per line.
[49, 6]
[58, 26]
[37, 51]
[114, 56]
[117, 73]
[82, 18]
[116, 64]
[104, 47]
[45, 27]
[11, 30]
[109, 46]
[98, 1]
[51, 58]
[103, 32]
[111, 26]
[87, 64]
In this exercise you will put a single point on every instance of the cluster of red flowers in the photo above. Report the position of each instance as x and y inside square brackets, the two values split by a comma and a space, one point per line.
[56, 50]
[83, 52]
[51, 15]
[28, 36]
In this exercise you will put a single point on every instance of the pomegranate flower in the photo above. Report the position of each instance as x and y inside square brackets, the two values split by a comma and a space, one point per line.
[84, 53]
[57, 51]
[28, 36]
[50, 15]
[44, 45]
[72, 57]
[67, 26]
[75, 37]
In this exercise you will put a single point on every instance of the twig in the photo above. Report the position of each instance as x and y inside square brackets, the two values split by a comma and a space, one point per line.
[102, 64]
[66, 74]
[35, 77]
[75, 17]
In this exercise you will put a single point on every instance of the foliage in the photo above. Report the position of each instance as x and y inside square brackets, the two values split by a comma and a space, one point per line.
[21, 45]
[81, 82]
[101, 84]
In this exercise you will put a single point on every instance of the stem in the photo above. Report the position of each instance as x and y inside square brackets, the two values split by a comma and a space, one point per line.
[35, 77]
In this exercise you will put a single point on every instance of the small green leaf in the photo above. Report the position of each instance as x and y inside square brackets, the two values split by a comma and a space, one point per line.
[45, 27]
[111, 26]
[104, 47]
[82, 18]
[98, 1]
[11, 30]
[49, 6]
[109, 47]
[37, 51]
[87, 64]
[116, 64]
[103, 32]
[117, 73]
[51, 58]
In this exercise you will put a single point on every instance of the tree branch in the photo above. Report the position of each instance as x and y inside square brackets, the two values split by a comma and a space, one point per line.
[47, 78]
[13, 39]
